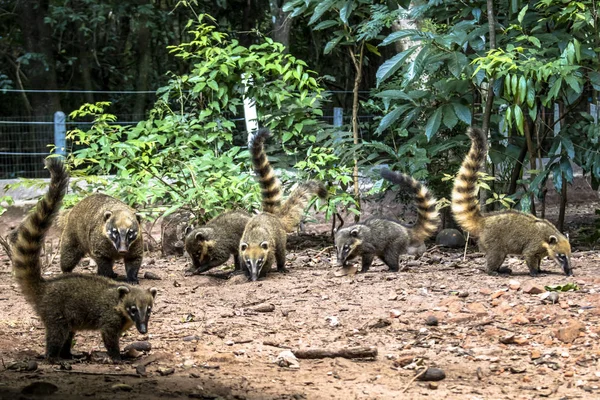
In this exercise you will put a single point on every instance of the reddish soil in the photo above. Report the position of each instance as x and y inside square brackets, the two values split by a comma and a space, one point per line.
[492, 341]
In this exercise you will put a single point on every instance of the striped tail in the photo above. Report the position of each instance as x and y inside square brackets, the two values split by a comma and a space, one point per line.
[30, 234]
[465, 206]
[291, 211]
[269, 184]
[428, 218]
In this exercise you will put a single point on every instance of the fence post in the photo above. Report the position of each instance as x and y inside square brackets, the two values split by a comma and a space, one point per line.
[60, 133]
[338, 116]
[249, 108]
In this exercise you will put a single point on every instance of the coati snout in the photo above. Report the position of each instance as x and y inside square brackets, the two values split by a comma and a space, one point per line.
[347, 241]
[254, 258]
[559, 250]
[138, 307]
[121, 230]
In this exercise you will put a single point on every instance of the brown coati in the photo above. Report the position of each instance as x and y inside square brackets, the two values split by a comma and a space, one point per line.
[107, 229]
[387, 238]
[505, 232]
[211, 245]
[265, 236]
[73, 302]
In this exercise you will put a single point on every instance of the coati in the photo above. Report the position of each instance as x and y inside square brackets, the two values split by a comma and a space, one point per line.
[387, 238]
[505, 232]
[265, 236]
[107, 229]
[73, 302]
[211, 245]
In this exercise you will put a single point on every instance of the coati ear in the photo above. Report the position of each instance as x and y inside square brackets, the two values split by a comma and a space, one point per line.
[354, 233]
[153, 291]
[200, 237]
[107, 215]
[264, 245]
[123, 290]
[188, 230]
[138, 216]
[552, 239]
[243, 246]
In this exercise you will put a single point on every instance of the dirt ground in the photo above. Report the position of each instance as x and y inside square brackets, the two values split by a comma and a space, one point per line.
[496, 337]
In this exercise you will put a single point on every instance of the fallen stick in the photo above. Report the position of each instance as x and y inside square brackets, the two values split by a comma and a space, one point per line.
[353, 352]
[413, 379]
[97, 373]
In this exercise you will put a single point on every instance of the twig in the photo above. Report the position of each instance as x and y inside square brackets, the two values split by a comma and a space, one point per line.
[466, 245]
[414, 379]
[97, 373]
[6, 246]
[323, 251]
[354, 352]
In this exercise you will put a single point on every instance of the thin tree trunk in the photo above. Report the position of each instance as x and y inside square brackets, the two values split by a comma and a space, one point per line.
[282, 23]
[357, 79]
[144, 64]
[563, 204]
[532, 159]
[516, 172]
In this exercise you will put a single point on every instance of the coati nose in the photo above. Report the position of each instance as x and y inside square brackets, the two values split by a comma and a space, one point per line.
[254, 278]
[142, 328]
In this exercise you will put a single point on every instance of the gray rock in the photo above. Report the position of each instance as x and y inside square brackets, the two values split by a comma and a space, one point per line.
[452, 238]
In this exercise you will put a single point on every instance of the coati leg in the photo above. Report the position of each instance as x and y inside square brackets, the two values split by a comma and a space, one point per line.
[367, 260]
[70, 254]
[110, 337]
[237, 266]
[65, 352]
[533, 262]
[105, 267]
[280, 257]
[390, 258]
[494, 262]
[57, 335]
[132, 267]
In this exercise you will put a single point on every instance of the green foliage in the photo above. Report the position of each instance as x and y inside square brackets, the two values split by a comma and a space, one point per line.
[5, 201]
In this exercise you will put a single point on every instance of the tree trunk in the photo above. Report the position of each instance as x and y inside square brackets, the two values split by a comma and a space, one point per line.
[532, 158]
[41, 71]
[563, 204]
[516, 172]
[85, 66]
[282, 23]
[144, 64]
[355, 107]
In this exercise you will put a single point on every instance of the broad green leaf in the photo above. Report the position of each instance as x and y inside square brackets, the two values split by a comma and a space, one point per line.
[462, 112]
[568, 145]
[388, 68]
[346, 11]
[392, 117]
[507, 90]
[530, 94]
[522, 14]
[449, 116]
[456, 63]
[433, 123]
[513, 86]
[413, 34]
[573, 82]
[522, 89]
[562, 288]
[594, 79]
[519, 119]
[321, 9]
[417, 65]
[325, 24]
[331, 44]
[554, 89]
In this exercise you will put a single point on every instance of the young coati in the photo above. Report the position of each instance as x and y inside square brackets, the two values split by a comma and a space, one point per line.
[265, 236]
[73, 302]
[107, 229]
[388, 238]
[211, 245]
[505, 232]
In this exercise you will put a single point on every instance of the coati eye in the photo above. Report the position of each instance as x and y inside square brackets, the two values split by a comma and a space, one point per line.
[133, 309]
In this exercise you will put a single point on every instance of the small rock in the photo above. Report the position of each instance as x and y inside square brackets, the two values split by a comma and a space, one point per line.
[432, 374]
[191, 338]
[287, 359]
[395, 313]
[40, 388]
[264, 308]
[432, 385]
[165, 371]
[121, 387]
[151, 276]
[133, 353]
[533, 288]
[140, 370]
[392, 297]
[188, 363]
[379, 323]
[549, 297]
[431, 320]
[403, 361]
[176, 284]
[535, 354]
[519, 319]
[513, 284]
[333, 321]
[517, 369]
[497, 294]
[570, 332]
[463, 294]
[507, 339]
[139, 346]
[452, 238]
[229, 343]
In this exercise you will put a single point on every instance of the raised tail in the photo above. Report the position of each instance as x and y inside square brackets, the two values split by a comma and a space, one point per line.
[30, 234]
[269, 184]
[465, 206]
[428, 218]
[291, 211]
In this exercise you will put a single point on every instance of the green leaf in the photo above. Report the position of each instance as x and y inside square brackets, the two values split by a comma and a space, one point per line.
[522, 14]
[321, 9]
[449, 116]
[573, 82]
[456, 63]
[462, 112]
[562, 288]
[594, 79]
[392, 117]
[325, 24]
[554, 89]
[530, 94]
[346, 11]
[395, 36]
[519, 119]
[522, 89]
[433, 123]
[568, 145]
[331, 44]
[417, 65]
[388, 68]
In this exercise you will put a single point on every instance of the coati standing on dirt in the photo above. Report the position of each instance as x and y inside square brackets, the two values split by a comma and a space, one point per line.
[388, 238]
[265, 236]
[107, 229]
[505, 232]
[211, 245]
[73, 302]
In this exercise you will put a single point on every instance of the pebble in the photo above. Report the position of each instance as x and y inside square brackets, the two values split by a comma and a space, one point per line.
[139, 346]
[166, 371]
[151, 276]
[431, 320]
[432, 374]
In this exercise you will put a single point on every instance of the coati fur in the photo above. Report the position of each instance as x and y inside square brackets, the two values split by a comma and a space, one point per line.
[505, 232]
[211, 245]
[73, 302]
[264, 239]
[107, 229]
[387, 238]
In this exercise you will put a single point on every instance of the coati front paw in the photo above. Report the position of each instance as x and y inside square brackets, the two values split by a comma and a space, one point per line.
[283, 270]
[500, 271]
